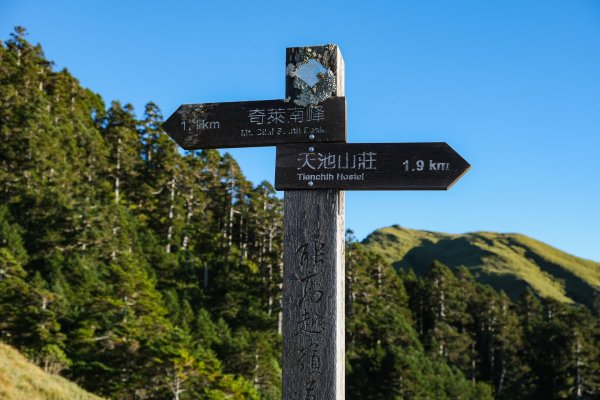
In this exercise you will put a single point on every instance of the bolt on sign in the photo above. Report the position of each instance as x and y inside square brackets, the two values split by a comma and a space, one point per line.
[314, 164]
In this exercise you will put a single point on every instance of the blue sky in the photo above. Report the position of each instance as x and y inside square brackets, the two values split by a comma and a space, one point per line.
[513, 86]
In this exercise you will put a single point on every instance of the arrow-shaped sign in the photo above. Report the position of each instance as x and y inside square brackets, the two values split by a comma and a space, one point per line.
[256, 123]
[368, 166]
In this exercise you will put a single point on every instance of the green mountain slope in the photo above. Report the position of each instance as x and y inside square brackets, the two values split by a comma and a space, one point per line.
[508, 262]
[20, 379]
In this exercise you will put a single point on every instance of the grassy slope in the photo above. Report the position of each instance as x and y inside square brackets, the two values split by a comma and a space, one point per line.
[509, 262]
[20, 379]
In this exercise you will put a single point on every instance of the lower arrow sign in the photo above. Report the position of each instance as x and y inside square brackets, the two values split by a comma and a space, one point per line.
[368, 166]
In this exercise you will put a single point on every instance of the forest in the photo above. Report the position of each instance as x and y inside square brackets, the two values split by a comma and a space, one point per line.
[142, 272]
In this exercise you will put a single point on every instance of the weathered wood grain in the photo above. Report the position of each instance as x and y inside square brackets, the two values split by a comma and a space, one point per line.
[313, 306]
[313, 281]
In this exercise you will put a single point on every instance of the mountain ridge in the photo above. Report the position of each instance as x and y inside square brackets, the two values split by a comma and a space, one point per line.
[507, 261]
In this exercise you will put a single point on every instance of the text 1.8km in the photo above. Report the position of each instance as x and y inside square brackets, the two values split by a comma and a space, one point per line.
[427, 165]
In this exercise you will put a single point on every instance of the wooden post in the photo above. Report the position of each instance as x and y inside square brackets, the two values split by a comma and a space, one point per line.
[314, 239]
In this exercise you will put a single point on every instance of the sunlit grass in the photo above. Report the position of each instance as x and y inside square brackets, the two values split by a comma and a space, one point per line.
[22, 380]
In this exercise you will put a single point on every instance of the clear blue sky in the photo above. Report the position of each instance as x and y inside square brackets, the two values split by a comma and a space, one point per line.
[513, 86]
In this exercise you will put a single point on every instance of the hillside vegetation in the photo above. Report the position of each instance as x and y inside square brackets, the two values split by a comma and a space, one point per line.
[20, 380]
[143, 273]
[508, 262]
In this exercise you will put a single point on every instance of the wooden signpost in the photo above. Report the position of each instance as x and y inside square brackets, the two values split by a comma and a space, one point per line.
[313, 170]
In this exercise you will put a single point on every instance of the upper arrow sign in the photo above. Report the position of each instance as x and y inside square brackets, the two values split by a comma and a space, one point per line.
[368, 166]
[256, 123]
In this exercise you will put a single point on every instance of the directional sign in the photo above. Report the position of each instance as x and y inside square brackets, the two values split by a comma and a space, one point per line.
[256, 123]
[368, 166]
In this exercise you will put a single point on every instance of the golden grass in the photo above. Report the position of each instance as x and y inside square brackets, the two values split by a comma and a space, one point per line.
[394, 242]
[22, 380]
[509, 259]
[587, 270]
